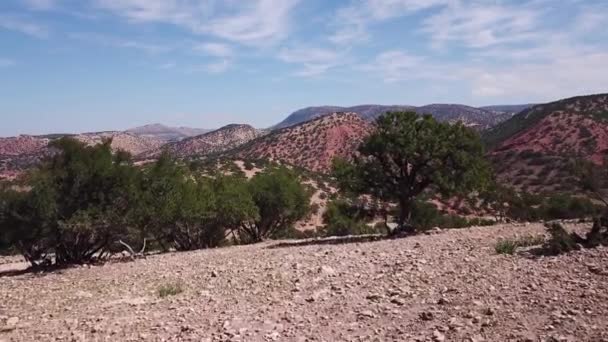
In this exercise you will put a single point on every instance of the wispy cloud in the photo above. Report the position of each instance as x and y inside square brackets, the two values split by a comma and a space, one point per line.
[480, 25]
[254, 22]
[214, 49]
[23, 25]
[111, 41]
[313, 61]
[352, 22]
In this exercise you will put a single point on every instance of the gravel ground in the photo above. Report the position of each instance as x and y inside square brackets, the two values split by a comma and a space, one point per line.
[449, 286]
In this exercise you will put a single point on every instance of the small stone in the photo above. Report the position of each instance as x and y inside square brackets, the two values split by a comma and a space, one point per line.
[13, 321]
[214, 274]
[398, 301]
[438, 336]
[327, 270]
[367, 314]
[426, 316]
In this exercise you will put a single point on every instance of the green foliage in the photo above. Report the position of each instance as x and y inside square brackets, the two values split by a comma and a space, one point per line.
[529, 207]
[426, 216]
[77, 207]
[170, 289]
[560, 241]
[505, 246]
[343, 218]
[410, 154]
[186, 211]
[281, 200]
[509, 246]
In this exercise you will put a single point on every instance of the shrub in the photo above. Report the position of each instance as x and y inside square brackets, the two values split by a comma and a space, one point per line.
[342, 218]
[509, 246]
[281, 200]
[505, 246]
[78, 206]
[560, 241]
[170, 289]
[248, 165]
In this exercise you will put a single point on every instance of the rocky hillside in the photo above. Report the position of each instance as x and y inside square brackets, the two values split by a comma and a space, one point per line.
[311, 145]
[480, 118]
[20, 153]
[532, 149]
[508, 108]
[166, 133]
[450, 286]
[23, 152]
[220, 140]
[129, 142]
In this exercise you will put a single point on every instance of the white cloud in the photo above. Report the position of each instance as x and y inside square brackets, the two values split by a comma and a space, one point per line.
[22, 25]
[118, 42]
[5, 62]
[253, 22]
[352, 22]
[215, 49]
[218, 67]
[314, 61]
[562, 77]
[482, 24]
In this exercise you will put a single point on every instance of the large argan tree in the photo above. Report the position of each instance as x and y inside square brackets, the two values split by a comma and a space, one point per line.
[409, 155]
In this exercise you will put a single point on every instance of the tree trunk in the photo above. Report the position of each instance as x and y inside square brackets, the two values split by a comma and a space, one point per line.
[405, 213]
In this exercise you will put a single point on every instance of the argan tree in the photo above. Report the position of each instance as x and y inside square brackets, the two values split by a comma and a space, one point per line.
[281, 200]
[408, 155]
[77, 206]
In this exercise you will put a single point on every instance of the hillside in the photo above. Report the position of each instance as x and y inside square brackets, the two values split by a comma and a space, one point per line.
[449, 286]
[132, 143]
[480, 118]
[532, 149]
[508, 108]
[166, 133]
[311, 145]
[220, 140]
[23, 152]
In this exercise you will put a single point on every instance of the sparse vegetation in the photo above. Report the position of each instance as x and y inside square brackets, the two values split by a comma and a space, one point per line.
[509, 246]
[409, 155]
[281, 200]
[170, 289]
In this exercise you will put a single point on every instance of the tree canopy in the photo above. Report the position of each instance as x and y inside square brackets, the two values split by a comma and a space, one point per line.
[410, 154]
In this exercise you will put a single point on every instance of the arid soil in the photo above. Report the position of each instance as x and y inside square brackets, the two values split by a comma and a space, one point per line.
[450, 286]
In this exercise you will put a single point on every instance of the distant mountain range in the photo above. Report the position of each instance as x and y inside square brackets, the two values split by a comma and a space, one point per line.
[529, 145]
[212, 142]
[167, 133]
[480, 118]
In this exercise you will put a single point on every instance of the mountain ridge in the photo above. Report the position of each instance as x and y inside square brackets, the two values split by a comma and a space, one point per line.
[479, 117]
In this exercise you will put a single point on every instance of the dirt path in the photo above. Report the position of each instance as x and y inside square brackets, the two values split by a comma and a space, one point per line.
[445, 287]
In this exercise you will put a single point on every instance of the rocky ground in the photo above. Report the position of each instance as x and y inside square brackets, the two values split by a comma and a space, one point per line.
[445, 287]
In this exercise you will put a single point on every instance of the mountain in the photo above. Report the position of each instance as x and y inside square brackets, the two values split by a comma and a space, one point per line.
[220, 140]
[532, 150]
[508, 108]
[129, 142]
[25, 151]
[469, 116]
[166, 133]
[480, 118]
[312, 144]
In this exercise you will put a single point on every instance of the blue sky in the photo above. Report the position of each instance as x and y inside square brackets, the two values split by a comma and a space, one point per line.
[82, 65]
